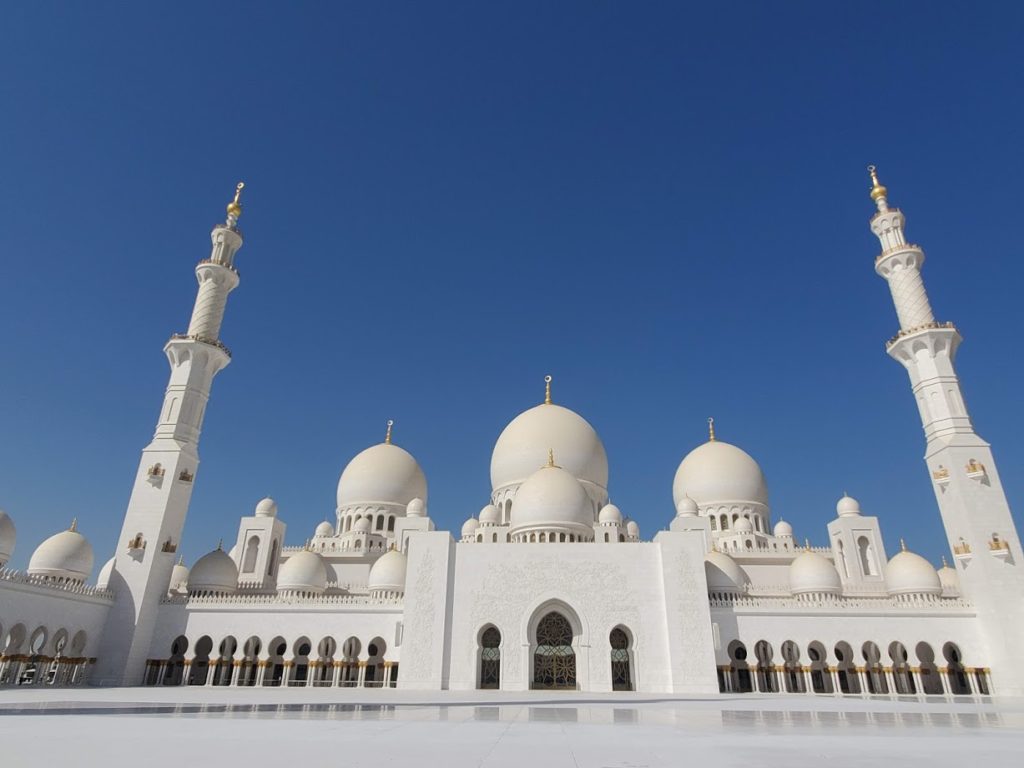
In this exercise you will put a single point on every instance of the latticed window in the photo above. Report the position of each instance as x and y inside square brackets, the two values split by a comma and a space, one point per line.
[490, 658]
[621, 680]
[554, 660]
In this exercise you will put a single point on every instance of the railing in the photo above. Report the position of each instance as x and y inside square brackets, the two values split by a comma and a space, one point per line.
[203, 340]
[898, 249]
[220, 264]
[916, 329]
[230, 599]
[839, 603]
[64, 585]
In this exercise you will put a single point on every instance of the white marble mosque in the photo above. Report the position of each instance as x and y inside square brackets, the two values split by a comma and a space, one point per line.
[550, 586]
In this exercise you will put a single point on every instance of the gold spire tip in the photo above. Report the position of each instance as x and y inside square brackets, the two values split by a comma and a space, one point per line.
[807, 545]
[903, 545]
[74, 524]
[235, 207]
[220, 545]
[547, 389]
[387, 435]
[711, 429]
[181, 559]
[551, 457]
[877, 190]
[944, 563]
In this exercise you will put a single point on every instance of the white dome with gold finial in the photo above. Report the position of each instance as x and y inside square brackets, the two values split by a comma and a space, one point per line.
[383, 474]
[65, 556]
[719, 473]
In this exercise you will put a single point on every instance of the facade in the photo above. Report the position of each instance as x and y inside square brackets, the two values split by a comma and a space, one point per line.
[550, 586]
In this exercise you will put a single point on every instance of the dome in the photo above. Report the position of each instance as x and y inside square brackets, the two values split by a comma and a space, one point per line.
[362, 525]
[416, 508]
[610, 514]
[719, 472]
[382, 474]
[949, 578]
[724, 573]
[106, 572]
[388, 573]
[782, 528]
[325, 529]
[632, 529]
[66, 555]
[8, 536]
[910, 574]
[743, 525]
[266, 508]
[179, 577]
[304, 571]
[490, 515]
[469, 527]
[687, 507]
[551, 497]
[847, 506]
[524, 444]
[214, 572]
[810, 572]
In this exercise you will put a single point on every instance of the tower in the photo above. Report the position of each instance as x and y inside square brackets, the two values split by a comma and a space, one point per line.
[961, 467]
[153, 522]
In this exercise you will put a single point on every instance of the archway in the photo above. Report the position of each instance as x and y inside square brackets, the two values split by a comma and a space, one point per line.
[350, 662]
[766, 680]
[176, 663]
[931, 682]
[740, 678]
[276, 649]
[34, 668]
[846, 669]
[300, 661]
[955, 672]
[792, 670]
[490, 658]
[200, 667]
[249, 668]
[622, 671]
[875, 674]
[901, 674]
[325, 662]
[821, 680]
[374, 677]
[554, 658]
[225, 668]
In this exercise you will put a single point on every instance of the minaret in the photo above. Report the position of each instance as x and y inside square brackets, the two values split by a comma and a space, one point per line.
[155, 517]
[961, 467]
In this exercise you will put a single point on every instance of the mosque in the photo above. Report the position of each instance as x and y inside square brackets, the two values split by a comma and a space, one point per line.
[550, 586]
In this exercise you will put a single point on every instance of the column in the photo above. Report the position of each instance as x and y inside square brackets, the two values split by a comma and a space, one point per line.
[361, 681]
[336, 674]
[261, 672]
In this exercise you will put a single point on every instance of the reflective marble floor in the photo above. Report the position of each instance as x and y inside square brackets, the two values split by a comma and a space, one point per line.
[200, 727]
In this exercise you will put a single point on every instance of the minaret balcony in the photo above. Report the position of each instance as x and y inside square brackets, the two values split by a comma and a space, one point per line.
[904, 333]
[202, 340]
[220, 264]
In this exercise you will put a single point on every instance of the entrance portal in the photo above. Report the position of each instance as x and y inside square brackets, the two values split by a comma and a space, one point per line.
[554, 660]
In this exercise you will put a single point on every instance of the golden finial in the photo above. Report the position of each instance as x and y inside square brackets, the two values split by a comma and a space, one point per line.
[877, 190]
[944, 563]
[551, 457]
[235, 207]
[711, 429]
[74, 524]
[181, 559]
[807, 545]
[903, 545]
[547, 389]
[387, 435]
[220, 545]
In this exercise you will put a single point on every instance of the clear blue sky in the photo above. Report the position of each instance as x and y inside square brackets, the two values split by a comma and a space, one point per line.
[664, 207]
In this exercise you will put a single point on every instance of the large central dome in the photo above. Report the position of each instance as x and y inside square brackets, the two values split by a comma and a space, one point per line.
[524, 445]
[382, 474]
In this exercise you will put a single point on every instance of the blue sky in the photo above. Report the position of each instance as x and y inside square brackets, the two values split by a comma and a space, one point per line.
[665, 207]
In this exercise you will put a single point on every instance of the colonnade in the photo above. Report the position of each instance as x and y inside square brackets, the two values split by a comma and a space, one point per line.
[865, 681]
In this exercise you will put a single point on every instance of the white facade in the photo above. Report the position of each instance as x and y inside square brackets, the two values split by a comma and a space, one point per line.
[550, 586]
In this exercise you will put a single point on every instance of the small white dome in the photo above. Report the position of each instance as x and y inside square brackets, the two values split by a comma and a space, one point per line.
[743, 525]
[106, 572]
[490, 515]
[304, 571]
[214, 572]
[324, 530]
[469, 527]
[66, 555]
[719, 472]
[847, 507]
[524, 444]
[810, 572]
[632, 529]
[362, 525]
[267, 507]
[388, 573]
[8, 537]
[610, 514]
[724, 573]
[910, 574]
[949, 578]
[382, 474]
[782, 528]
[687, 507]
[179, 578]
[552, 497]
[415, 508]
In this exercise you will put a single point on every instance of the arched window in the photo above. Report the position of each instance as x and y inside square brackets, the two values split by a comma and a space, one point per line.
[725, 522]
[490, 658]
[622, 678]
[867, 556]
[251, 550]
[714, 523]
[380, 523]
[391, 523]
[554, 658]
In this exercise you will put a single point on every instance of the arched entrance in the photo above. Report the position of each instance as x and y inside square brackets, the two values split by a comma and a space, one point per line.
[490, 658]
[554, 658]
[622, 674]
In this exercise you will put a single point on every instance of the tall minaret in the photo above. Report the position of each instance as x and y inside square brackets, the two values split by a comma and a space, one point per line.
[961, 467]
[153, 523]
